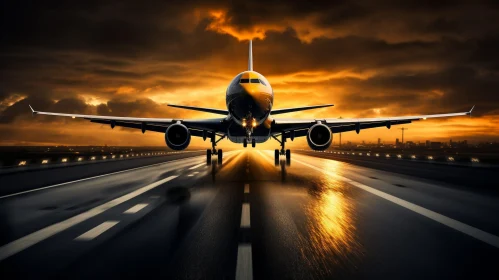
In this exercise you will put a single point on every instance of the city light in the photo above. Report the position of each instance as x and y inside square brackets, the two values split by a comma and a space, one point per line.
[430, 157]
[22, 163]
[450, 158]
[80, 159]
[92, 158]
[413, 156]
[475, 159]
[399, 156]
[64, 160]
[45, 161]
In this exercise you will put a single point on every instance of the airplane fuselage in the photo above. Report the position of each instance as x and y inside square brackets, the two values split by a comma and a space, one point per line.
[249, 100]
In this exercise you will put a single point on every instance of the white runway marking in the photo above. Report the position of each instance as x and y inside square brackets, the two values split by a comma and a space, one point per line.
[244, 267]
[245, 216]
[29, 240]
[96, 231]
[196, 166]
[193, 173]
[454, 224]
[246, 188]
[90, 178]
[136, 208]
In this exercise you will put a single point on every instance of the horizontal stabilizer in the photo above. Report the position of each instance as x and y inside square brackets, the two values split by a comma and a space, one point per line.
[296, 109]
[209, 110]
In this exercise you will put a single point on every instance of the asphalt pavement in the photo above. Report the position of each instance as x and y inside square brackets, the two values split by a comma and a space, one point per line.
[177, 218]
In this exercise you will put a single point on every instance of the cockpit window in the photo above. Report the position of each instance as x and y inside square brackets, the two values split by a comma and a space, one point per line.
[263, 83]
[255, 81]
[244, 81]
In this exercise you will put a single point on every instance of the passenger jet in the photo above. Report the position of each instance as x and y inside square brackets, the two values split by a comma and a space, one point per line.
[249, 119]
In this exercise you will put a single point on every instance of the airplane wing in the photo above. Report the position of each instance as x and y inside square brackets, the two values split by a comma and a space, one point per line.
[209, 110]
[196, 127]
[296, 109]
[301, 126]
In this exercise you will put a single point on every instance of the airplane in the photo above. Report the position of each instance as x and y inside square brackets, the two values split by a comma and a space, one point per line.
[250, 119]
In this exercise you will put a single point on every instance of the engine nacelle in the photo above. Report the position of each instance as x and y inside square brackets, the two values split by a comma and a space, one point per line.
[177, 136]
[319, 137]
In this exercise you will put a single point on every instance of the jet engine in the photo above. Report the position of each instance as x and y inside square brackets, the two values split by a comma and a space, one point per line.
[177, 136]
[319, 137]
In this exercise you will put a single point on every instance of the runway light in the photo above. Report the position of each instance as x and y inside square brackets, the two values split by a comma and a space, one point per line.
[353, 154]
[92, 158]
[22, 163]
[127, 155]
[121, 156]
[64, 160]
[377, 155]
[360, 154]
[113, 156]
[368, 154]
[80, 159]
[45, 161]
[399, 156]
[413, 156]
[450, 158]
[387, 155]
[104, 157]
[474, 159]
[430, 157]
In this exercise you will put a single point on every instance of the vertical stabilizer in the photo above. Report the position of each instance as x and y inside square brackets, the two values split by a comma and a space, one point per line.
[250, 57]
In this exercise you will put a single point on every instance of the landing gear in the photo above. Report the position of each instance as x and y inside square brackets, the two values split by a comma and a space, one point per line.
[220, 156]
[214, 151]
[208, 157]
[253, 142]
[245, 142]
[277, 152]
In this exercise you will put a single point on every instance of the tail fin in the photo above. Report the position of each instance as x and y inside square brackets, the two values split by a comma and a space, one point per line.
[250, 57]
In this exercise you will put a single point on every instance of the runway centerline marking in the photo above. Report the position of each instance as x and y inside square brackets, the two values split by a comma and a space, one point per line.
[90, 178]
[136, 208]
[96, 231]
[454, 224]
[244, 267]
[196, 166]
[246, 188]
[245, 216]
[29, 240]
[192, 174]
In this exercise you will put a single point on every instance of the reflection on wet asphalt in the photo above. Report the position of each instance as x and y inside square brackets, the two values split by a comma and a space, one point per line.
[248, 217]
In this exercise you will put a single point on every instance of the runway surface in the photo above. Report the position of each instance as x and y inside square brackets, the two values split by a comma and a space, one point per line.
[177, 218]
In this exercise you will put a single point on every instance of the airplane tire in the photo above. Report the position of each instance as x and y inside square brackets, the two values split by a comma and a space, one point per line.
[253, 143]
[220, 156]
[208, 157]
[276, 157]
[245, 143]
[288, 157]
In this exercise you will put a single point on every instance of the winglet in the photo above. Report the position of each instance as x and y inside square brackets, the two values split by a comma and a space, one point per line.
[32, 111]
[469, 113]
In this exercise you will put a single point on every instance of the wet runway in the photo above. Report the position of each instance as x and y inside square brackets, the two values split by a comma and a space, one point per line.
[176, 218]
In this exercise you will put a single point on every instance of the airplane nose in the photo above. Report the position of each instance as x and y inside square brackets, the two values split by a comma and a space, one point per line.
[249, 103]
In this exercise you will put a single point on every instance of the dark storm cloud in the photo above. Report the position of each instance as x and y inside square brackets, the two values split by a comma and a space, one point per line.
[407, 56]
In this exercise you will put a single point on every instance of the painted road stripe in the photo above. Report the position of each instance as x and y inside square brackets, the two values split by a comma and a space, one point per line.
[29, 240]
[136, 208]
[96, 231]
[244, 267]
[196, 166]
[193, 173]
[245, 216]
[246, 188]
[90, 178]
[454, 224]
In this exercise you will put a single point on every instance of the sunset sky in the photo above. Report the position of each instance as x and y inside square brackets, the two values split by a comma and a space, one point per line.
[130, 58]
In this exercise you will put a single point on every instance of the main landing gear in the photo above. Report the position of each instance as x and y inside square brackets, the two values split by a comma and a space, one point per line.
[282, 151]
[214, 151]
